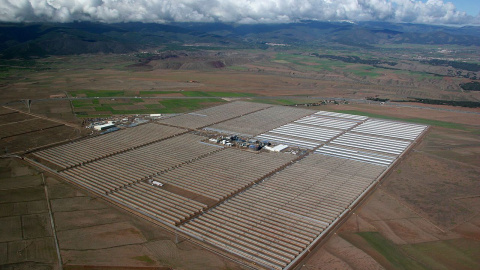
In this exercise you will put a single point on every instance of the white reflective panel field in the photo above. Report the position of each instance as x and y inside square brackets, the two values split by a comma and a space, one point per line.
[391, 129]
[265, 207]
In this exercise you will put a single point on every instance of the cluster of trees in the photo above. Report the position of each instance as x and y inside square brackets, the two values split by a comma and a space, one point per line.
[470, 86]
[378, 99]
[458, 65]
[460, 73]
[354, 59]
[468, 104]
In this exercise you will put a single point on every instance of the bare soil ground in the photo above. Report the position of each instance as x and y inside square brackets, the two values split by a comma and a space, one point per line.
[11, 118]
[5, 111]
[433, 181]
[427, 210]
[54, 108]
[105, 235]
[26, 240]
[25, 131]
[39, 138]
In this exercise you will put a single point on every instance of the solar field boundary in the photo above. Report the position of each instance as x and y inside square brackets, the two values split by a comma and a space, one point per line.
[126, 150]
[85, 137]
[323, 235]
[46, 154]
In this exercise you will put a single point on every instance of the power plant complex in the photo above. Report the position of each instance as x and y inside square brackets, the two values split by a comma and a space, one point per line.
[263, 184]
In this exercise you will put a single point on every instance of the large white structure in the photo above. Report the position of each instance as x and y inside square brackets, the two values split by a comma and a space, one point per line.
[103, 127]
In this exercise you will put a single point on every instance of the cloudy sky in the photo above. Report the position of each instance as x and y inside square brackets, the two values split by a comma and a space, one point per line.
[240, 11]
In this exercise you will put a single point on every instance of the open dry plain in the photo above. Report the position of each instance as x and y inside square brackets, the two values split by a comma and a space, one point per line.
[423, 215]
[266, 73]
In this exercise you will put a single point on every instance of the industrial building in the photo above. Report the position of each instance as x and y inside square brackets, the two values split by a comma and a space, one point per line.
[103, 126]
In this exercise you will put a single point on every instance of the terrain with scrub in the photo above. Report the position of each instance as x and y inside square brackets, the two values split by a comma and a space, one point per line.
[425, 214]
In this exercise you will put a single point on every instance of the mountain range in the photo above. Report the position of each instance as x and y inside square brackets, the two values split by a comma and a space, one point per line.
[28, 40]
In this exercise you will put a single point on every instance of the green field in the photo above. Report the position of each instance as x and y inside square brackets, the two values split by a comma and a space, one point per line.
[145, 258]
[312, 63]
[391, 252]
[108, 93]
[199, 99]
[364, 70]
[97, 93]
[183, 105]
[447, 254]
[306, 62]
[87, 108]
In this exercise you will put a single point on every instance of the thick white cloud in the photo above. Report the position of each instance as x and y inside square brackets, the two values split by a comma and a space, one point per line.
[239, 11]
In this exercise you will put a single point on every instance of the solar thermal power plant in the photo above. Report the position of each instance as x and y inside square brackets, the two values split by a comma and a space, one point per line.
[79, 152]
[211, 178]
[276, 220]
[215, 114]
[260, 121]
[263, 208]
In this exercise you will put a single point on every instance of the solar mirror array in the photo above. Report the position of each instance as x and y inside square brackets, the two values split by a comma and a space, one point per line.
[263, 207]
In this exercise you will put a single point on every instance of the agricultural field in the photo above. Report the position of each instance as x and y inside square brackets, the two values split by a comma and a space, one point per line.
[96, 106]
[263, 73]
[103, 103]
[423, 216]
[26, 236]
[26, 239]
[22, 131]
[100, 107]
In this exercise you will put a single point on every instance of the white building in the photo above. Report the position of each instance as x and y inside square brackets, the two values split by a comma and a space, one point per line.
[277, 148]
[104, 126]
